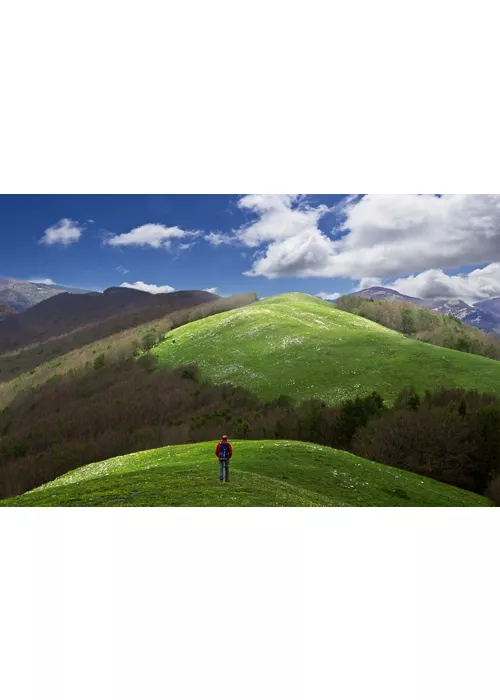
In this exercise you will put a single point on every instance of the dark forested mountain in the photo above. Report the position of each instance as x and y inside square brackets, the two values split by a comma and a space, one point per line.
[64, 313]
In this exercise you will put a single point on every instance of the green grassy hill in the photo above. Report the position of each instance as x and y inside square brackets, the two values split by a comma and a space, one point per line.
[263, 473]
[302, 346]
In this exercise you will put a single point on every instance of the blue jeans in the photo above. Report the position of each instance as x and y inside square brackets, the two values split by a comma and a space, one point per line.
[224, 466]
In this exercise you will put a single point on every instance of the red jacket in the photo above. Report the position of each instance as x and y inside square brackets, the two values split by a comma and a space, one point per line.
[217, 449]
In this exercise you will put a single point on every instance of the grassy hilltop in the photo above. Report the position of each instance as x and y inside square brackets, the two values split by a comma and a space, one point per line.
[263, 473]
[303, 346]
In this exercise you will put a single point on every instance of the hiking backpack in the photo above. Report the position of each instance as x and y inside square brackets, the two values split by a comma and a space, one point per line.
[224, 450]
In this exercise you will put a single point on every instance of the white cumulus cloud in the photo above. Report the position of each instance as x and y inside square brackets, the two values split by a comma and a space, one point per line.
[388, 235]
[378, 236]
[65, 232]
[482, 283]
[151, 288]
[280, 217]
[212, 290]
[288, 226]
[153, 235]
[367, 282]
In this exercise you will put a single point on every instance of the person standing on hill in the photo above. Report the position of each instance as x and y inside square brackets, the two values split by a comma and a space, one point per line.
[224, 452]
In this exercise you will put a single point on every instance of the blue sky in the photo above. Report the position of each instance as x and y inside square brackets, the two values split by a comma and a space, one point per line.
[91, 264]
[424, 245]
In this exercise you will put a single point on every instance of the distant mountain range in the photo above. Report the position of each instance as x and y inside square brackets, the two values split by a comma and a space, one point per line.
[66, 312]
[484, 315]
[20, 295]
[491, 305]
[61, 309]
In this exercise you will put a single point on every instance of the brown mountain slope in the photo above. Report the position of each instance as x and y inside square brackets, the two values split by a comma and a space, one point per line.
[65, 313]
[6, 311]
[33, 366]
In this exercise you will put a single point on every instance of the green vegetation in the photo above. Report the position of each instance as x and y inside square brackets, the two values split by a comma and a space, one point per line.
[421, 323]
[99, 362]
[304, 347]
[149, 340]
[263, 473]
[336, 367]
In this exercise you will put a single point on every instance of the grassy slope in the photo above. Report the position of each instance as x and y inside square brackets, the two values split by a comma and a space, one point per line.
[263, 473]
[14, 377]
[302, 346]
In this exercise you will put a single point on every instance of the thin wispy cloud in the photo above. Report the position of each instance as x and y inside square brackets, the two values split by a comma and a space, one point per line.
[43, 280]
[328, 296]
[217, 239]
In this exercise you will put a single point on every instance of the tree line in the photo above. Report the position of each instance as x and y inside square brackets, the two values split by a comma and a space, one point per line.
[443, 330]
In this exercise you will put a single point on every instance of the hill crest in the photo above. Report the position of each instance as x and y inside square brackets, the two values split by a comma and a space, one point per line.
[263, 473]
[63, 313]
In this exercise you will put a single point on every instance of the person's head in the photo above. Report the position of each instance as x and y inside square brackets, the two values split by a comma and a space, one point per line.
[224, 437]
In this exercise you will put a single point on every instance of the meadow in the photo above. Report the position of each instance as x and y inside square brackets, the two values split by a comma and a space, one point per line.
[263, 473]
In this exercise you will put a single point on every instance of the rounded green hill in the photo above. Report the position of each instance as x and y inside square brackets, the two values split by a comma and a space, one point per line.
[263, 473]
[304, 347]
